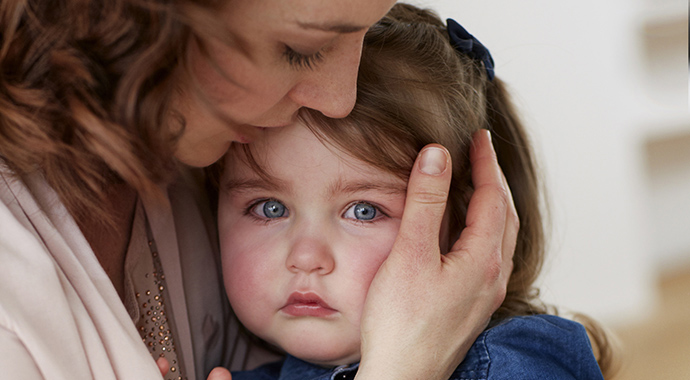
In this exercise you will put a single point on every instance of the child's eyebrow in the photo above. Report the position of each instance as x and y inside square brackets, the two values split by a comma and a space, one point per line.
[358, 186]
[249, 184]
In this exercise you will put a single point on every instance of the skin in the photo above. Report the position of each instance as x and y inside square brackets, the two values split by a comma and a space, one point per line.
[223, 103]
[477, 266]
[235, 90]
[318, 245]
[454, 294]
[240, 86]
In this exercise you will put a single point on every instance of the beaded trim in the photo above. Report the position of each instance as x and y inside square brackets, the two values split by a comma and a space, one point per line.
[153, 324]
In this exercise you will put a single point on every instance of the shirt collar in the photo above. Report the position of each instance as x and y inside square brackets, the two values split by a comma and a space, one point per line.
[297, 369]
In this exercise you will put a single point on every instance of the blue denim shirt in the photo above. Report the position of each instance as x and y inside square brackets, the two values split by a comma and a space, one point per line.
[533, 347]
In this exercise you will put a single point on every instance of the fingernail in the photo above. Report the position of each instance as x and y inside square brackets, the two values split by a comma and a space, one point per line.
[433, 161]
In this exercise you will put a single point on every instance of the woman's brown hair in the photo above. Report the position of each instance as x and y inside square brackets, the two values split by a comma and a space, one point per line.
[414, 88]
[85, 92]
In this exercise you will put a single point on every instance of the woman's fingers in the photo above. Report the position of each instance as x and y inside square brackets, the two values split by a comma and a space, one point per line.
[492, 223]
[404, 325]
[219, 373]
[163, 366]
[488, 241]
[488, 176]
[424, 310]
[511, 231]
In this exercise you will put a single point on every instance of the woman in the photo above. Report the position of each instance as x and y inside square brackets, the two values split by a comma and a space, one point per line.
[105, 240]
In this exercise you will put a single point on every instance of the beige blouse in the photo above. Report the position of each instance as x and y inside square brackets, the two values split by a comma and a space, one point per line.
[60, 316]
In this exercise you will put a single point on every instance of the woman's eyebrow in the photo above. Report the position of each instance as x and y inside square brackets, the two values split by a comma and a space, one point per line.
[328, 27]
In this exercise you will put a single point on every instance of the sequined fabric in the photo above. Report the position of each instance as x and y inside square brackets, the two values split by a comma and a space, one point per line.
[147, 296]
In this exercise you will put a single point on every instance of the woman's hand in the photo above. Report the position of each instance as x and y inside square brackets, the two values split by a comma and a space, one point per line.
[163, 366]
[424, 310]
[218, 373]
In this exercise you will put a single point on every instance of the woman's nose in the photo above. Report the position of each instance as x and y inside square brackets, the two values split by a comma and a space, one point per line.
[309, 255]
[331, 88]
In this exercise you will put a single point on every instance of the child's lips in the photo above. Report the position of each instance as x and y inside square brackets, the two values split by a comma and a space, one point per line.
[307, 305]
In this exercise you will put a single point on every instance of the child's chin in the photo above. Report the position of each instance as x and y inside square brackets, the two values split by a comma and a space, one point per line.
[326, 356]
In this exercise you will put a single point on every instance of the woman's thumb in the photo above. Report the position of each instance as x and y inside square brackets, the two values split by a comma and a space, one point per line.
[425, 205]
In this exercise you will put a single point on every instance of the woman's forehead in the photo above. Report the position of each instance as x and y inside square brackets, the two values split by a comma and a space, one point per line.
[340, 16]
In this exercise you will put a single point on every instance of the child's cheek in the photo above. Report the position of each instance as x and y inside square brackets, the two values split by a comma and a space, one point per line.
[363, 266]
[240, 276]
[250, 275]
[245, 272]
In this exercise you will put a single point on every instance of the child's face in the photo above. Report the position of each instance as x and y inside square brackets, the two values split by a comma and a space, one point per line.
[300, 250]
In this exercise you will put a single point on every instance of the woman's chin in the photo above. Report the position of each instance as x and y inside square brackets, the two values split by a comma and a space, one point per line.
[200, 158]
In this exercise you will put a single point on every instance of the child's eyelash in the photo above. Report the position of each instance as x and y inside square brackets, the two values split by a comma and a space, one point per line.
[249, 210]
[378, 208]
[250, 206]
[300, 60]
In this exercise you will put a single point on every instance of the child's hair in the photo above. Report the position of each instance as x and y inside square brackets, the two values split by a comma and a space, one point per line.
[414, 88]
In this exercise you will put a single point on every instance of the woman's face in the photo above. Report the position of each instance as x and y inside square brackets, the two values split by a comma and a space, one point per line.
[281, 55]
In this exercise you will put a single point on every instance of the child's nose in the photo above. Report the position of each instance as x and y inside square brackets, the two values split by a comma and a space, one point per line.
[309, 255]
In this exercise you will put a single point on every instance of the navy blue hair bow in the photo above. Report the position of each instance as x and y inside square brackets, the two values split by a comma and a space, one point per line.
[465, 43]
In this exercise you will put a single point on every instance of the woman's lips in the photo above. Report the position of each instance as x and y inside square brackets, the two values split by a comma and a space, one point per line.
[307, 305]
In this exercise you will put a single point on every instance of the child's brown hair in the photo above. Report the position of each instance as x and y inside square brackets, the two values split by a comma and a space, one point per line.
[414, 88]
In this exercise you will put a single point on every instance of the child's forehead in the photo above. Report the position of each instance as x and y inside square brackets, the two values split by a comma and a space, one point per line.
[295, 144]
[294, 152]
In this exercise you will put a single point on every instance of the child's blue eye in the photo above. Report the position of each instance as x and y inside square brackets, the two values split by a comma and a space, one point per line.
[270, 209]
[361, 211]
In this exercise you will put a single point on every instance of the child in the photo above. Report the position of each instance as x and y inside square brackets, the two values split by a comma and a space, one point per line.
[308, 214]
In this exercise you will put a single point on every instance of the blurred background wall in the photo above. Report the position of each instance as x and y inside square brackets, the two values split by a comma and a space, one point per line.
[603, 86]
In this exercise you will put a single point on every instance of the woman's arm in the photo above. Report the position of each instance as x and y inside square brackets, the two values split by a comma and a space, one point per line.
[424, 310]
[15, 360]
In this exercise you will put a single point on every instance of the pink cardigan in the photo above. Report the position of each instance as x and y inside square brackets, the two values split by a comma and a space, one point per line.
[61, 318]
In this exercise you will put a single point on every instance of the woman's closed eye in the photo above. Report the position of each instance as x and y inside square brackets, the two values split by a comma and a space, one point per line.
[302, 61]
[363, 212]
[268, 209]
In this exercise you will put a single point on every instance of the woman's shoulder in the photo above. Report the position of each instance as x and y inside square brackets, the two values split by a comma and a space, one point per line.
[527, 347]
[22, 249]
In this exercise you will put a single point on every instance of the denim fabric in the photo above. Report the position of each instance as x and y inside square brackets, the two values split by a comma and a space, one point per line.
[535, 347]
[541, 347]
[295, 369]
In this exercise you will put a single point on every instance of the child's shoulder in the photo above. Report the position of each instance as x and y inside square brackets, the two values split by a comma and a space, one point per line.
[541, 324]
[292, 368]
[530, 347]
